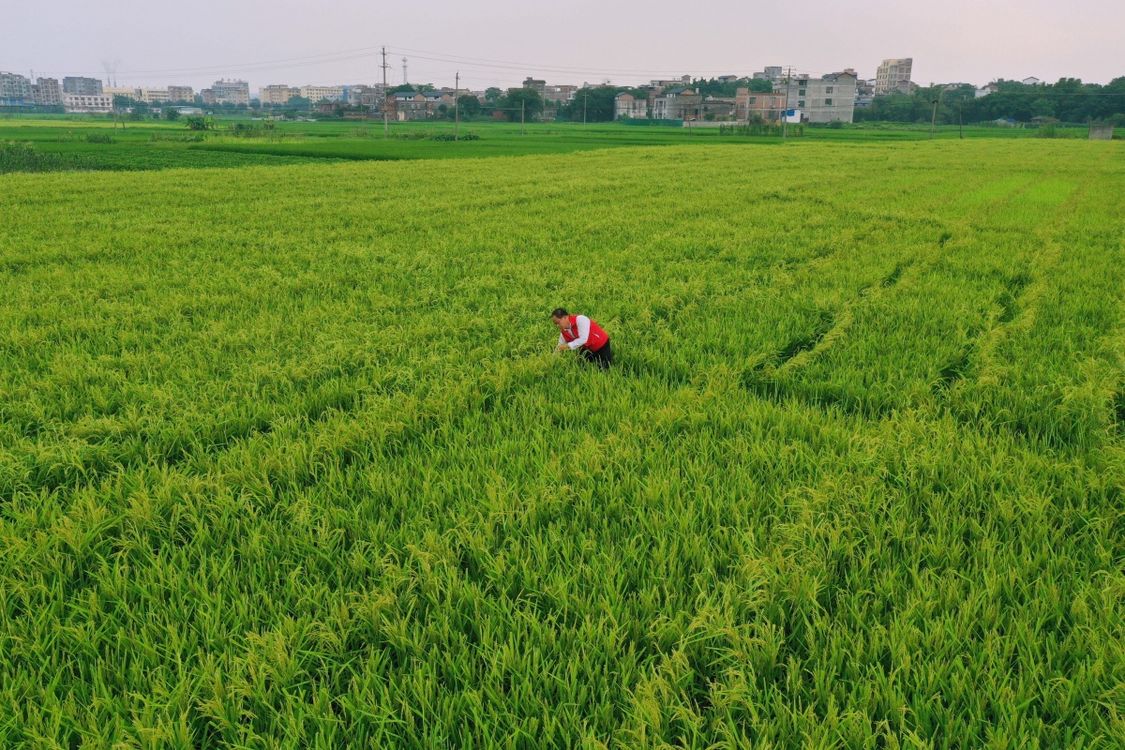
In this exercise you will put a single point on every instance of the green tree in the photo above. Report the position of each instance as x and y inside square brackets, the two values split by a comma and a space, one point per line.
[597, 102]
[527, 102]
[470, 105]
[171, 114]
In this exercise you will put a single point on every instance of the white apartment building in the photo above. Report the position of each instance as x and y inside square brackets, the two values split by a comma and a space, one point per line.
[830, 98]
[893, 75]
[181, 94]
[15, 89]
[627, 106]
[88, 102]
[230, 92]
[320, 93]
[155, 96]
[126, 91]
[276, 94]
[47, 92]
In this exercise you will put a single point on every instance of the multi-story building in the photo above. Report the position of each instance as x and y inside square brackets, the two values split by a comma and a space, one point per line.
[415, 105]
[892, 75]
[229, 92]
[535, 84]
[678, 103]
[557, 94]
[757, 105]
[181, 94]
[15, 90]
[88, 102]
[81, 85]
[127, 92]
[362, 95]
[155, 96]
[717, 108]
[277, 94]
[770, 73]
[830, 98]
[323, 93]
[864, 92]
[629, 107]
[47, 92]
[672, 83]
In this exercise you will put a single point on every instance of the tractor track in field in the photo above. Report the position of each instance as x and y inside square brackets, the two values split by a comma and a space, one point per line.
[1017, 307]
[175, 454]
[761, 379]
[960, 367]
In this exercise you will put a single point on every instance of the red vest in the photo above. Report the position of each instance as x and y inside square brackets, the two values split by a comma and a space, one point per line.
[596, 340]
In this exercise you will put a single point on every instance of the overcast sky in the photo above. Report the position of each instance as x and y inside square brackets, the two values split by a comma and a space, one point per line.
[499, 42]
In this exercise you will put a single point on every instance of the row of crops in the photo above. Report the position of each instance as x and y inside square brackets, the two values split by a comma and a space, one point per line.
[285, 458]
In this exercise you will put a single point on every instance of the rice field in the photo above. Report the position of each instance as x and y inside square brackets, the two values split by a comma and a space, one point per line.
[287, 460]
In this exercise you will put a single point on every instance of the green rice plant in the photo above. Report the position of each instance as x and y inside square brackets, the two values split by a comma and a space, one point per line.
[286, 458]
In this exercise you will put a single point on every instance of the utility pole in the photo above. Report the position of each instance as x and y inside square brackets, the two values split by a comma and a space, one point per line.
[933, 117]
[404, 78]
[585, 94]
[523, 107]
[785, 110]
[457, 105]
[386, 122]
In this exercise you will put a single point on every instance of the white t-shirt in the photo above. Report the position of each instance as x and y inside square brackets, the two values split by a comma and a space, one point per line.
[582, 323]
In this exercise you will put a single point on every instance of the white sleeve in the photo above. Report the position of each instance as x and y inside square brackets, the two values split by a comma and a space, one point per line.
[583, 324]
[561, 340]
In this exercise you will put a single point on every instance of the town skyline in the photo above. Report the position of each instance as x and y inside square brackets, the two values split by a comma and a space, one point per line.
[500, 44]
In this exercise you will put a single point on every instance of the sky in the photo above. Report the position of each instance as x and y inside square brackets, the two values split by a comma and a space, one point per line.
[500, 42]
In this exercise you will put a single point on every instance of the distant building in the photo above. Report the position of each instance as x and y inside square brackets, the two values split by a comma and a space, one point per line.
[362, 95]
[892, 74]
[629, 107]
[864, 92]
[1031, 81]
[181, 94]
[47, 92]
[728, 79]
[155, 96]
[661, 84]
[229, 92]
[830, 98]
[317, 94]
[678, 103]
[15, 90]
[81, 85]
[124, 91]
[535, 84]
[410, 105]
[985, 90]
[756, 105]
[770, 73]
[558, 94]
[277, 94]
[718, 108]
[88, 102]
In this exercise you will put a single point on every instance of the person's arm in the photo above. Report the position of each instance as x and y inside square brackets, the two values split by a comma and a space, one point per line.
[583, 325]
[561, 340]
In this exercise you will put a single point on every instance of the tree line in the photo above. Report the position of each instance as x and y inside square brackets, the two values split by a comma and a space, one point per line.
[1069, 100]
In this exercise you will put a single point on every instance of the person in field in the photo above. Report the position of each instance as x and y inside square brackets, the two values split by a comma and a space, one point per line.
[579, 333]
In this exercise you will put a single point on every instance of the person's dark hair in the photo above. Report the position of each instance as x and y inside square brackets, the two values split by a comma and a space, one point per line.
[560, 312]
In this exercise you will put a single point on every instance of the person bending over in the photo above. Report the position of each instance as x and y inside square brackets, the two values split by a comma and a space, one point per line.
[578, 332]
